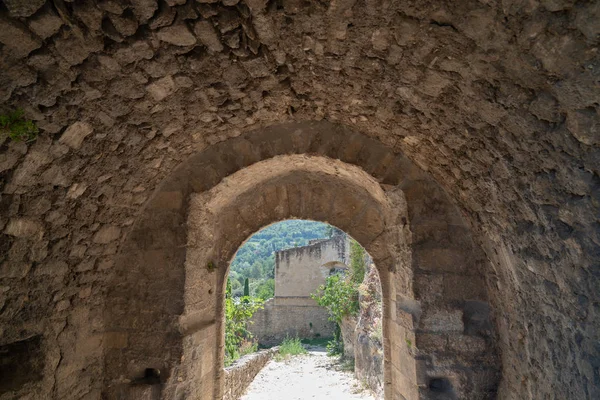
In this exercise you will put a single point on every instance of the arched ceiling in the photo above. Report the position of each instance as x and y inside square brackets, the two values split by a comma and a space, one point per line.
[497, 100]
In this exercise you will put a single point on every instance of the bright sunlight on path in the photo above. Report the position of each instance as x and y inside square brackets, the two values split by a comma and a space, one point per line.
[312, 376]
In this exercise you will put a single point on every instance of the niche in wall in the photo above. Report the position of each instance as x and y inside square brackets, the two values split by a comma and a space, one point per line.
[20, 363]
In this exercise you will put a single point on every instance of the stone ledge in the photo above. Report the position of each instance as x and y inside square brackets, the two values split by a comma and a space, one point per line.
[239, 376]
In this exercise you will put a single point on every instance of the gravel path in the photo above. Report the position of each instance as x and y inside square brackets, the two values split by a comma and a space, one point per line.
[312, 376]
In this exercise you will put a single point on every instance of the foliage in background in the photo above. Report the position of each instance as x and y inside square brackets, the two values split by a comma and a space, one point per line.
[256, 258]
[15, 126]
[290, 347]
[266, 289]
[357, 262]
[340, 294]
[237, 315]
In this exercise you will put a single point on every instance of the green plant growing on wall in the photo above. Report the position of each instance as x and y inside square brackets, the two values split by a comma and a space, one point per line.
[357, 262]
[16, 127]
[339, 294]
[237, 316]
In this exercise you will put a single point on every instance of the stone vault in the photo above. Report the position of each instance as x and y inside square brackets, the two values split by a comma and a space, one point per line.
[470, 129]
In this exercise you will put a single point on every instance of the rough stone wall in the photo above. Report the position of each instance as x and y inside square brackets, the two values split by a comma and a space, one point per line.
[241, 374]
[296, 317]
[496, 100]
[299, 272]
[368, 345]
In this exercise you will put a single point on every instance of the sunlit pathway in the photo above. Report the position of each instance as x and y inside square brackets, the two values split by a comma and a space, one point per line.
[312, 376]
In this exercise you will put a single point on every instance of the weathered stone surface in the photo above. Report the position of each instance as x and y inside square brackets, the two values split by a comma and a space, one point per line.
[135, 52]
[16, 38]
[507, 134]
[75, 49]
[179, 35]
[144, 9]
[443, 321]
[23, 8]
[88, 13]
[125, 26]
[107, 234]
[75, 134]
[207, 35]
[162, 88]
[585, 126]
[23, 227]
[45, 24]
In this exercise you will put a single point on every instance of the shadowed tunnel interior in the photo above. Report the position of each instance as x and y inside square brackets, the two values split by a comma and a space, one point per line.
[462, 136]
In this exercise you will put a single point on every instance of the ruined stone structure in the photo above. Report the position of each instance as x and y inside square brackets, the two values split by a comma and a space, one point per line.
[299, 272]
[458, 142]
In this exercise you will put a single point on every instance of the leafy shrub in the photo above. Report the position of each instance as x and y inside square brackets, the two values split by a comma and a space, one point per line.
[237, 316]
[340, 294]
[15, 126]
[290, 347]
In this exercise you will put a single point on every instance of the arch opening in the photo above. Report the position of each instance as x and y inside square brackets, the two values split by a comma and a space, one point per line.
[192, 229]
[304, 259]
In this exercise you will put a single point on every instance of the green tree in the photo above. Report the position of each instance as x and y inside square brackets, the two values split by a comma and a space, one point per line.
[246, 287]
[339, 295]
[266, 289]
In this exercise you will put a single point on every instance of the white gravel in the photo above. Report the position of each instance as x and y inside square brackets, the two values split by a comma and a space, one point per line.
[312, 376]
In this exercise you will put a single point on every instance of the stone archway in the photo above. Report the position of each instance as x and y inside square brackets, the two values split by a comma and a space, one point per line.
[436, 315]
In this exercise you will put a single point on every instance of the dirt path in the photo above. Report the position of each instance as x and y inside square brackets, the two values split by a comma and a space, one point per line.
[313, 376]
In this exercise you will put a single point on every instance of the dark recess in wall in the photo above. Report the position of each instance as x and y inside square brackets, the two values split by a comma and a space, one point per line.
[20, 363]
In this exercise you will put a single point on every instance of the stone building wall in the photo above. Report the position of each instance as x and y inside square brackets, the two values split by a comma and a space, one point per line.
[299, 272]
[283, 318]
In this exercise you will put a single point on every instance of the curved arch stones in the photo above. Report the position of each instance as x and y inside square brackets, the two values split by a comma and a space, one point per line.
[165, 309]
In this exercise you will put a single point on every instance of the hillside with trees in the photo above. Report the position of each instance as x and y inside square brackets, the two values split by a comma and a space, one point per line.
[255, 260]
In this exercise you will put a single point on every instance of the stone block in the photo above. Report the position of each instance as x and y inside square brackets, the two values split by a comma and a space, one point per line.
[161, 88]
[75, 134]
[75, 49]
[461, 287]
[467, 345]
[23, 227]
[144, 9]
[45, 24]
[107, 234]
[16, 38]
[441, 259]
[207, 35]
[88, 13]
[442, 321]
[23, 8]
[477, 318]
[585, 126]
[178, 35]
